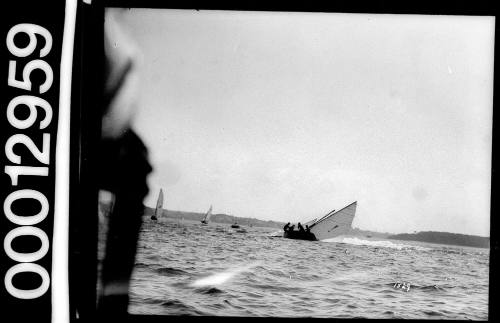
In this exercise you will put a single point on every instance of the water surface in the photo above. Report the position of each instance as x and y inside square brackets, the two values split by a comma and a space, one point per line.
[185, 268]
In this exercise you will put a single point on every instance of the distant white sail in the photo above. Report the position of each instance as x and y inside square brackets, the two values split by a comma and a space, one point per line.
[207, 215]
[334, 223]
[159, 204]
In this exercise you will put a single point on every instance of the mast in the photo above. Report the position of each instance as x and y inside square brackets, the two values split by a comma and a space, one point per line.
[316, 221]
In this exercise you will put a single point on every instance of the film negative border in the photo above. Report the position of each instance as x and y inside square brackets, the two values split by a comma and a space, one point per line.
[37, 52]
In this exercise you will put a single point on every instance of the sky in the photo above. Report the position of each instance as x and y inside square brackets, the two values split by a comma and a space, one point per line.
[287, 116]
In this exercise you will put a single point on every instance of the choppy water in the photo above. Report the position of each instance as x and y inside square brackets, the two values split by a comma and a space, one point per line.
[184, 268]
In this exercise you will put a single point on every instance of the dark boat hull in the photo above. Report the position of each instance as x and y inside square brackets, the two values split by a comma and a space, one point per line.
[299, 235]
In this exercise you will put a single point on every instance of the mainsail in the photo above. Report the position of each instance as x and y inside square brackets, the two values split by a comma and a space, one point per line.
[159, 205]
[334, 223]
[207, 215]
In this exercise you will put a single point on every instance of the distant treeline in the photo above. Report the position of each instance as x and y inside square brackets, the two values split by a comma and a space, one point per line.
[444, 238]
[219, 218]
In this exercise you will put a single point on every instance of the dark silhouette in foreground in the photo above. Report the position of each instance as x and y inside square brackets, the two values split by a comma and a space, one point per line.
[123, 169]
[125, 221]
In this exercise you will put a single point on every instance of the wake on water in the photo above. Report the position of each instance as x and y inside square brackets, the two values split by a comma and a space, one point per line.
[362, 242]
[374, 243]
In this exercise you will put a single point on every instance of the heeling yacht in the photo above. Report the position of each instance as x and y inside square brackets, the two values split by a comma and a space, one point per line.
[329, 226]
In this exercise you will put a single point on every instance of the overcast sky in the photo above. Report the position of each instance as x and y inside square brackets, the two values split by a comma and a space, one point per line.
[286, 116]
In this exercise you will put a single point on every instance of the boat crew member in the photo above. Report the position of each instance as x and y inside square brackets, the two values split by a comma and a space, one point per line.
[308, 229]
[301, 228]
[290, 229]
[285, 228]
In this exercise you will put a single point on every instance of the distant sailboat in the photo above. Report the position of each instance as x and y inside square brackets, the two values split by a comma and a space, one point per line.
[235, 225]
[207, 216]
[159, 205]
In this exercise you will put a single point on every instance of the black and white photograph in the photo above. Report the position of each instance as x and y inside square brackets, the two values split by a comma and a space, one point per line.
[295, 164]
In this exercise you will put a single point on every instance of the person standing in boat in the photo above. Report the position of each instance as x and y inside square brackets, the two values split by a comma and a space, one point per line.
[301, 228]
[308, 230]
[285, 228]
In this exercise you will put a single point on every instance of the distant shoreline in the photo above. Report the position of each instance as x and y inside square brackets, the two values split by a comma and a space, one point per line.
[446, 238]
[217, 218]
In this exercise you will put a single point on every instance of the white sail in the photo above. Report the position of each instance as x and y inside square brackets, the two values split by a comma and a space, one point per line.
[334, 224]
[159, 204]
[207, 215]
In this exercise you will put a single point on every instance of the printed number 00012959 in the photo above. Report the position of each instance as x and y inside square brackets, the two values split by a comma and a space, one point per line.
[35, 104]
